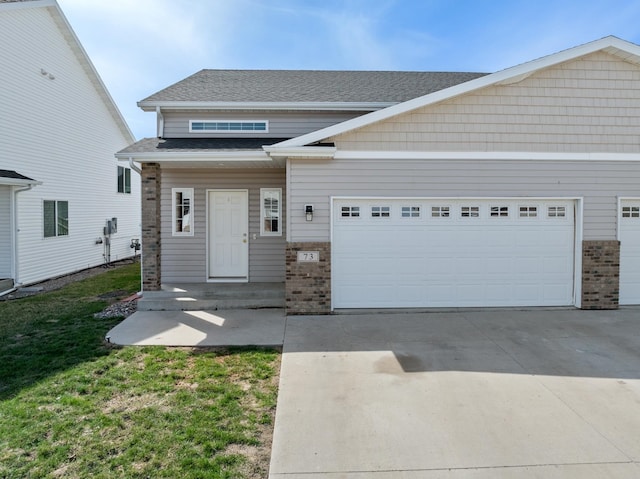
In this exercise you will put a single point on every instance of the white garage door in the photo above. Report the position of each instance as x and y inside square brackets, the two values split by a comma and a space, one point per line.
[629, 228]
[441, 253]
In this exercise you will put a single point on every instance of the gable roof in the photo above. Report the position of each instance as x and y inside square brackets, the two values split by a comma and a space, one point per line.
[302, 88]
[625, 50]
[80, 53]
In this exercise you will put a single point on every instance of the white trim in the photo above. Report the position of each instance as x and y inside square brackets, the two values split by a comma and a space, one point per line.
[288, 204]
[251, 132]
[578, 226]
[29, 4]
[266, 105]
[482, 155]
[614, 45]
[18, 182]
[301, 152]
[262, 218]
[191, 193]
[155, 157]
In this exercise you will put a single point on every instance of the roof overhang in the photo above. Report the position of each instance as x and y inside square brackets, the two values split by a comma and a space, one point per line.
[265, 106]
[155, 157]
[615, 46]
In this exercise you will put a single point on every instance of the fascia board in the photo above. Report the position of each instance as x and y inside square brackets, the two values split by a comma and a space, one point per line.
[483, 155]
[18, 182]
[266, 106]
[503, 76]
[230, 156]
[301, 152]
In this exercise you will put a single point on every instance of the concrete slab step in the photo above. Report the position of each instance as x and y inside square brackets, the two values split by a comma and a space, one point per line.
[5, 284]
[192, 304]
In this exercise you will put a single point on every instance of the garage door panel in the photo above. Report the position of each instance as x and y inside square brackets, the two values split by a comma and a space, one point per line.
[452, 261]
[629, 225]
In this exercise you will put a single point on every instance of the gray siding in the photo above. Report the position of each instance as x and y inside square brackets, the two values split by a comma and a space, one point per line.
[184, 258]
[600, 183]
[281, 124]
[591, 104]
[6, 252]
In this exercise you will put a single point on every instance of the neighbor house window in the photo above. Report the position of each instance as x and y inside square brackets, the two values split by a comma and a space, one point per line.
[227, 126]
[182, 208]
[271, 202]
[124, 179]
[56, 218]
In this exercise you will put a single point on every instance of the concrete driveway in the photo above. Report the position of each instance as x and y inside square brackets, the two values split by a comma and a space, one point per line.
[472, 394]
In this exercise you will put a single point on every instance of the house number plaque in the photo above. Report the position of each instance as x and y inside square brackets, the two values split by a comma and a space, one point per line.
[308, 256]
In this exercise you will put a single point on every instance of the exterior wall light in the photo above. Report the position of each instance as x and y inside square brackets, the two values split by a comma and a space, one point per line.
[308, 210]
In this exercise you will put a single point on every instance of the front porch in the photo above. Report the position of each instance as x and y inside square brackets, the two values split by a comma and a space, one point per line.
[213, 296]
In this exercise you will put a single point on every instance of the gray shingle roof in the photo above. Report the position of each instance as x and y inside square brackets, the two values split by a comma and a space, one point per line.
[14, 175]
[197, 145]
[308, 86]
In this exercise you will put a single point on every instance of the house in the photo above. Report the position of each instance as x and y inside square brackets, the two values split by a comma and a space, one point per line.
[59, 182]
[401, 189]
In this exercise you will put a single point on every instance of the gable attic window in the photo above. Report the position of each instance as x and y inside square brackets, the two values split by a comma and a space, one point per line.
[228, 126]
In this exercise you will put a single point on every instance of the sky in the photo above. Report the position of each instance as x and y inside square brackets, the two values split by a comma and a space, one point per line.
[142, 46]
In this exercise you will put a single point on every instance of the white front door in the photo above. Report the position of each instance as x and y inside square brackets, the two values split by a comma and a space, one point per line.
[228, 235]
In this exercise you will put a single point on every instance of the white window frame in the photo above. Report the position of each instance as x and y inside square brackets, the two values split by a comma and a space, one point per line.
[189, 193]
[56, 219]
[263, 216]
[266, 126]
[126, 180]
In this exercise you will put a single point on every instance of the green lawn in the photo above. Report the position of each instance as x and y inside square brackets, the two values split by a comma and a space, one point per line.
[72, 406]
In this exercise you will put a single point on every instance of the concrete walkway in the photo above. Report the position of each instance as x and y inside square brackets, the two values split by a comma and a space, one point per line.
[242, 327]
[486, 394]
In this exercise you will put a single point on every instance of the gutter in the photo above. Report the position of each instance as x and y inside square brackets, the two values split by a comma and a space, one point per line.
[134, 167]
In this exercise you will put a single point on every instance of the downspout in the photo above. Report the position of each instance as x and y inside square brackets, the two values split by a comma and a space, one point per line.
[134, 167]
[16, 245]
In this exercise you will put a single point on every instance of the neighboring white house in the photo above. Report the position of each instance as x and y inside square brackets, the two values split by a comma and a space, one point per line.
[59, 181]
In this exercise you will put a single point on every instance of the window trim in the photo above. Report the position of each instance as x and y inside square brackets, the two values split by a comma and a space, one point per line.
[251, 131]
[263, 231]
[56, 219]
[126, 180]
[191, 194]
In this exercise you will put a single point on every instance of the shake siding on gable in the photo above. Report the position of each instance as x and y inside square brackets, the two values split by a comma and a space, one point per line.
[281, 124]
[591, 104]
[184, 257]
[62, 134]
[599, 183]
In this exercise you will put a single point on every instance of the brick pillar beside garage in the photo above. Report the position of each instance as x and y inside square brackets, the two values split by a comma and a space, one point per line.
[151, 180]
[600, 274]
[308, 283]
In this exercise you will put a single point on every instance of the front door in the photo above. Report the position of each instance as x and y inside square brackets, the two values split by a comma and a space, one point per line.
[228, 235]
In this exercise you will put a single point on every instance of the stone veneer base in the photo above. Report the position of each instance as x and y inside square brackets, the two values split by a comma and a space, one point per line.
[600, 274]
[308, 284]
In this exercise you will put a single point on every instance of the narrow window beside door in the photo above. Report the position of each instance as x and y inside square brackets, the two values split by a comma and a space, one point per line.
[182, 211]
[270, 199]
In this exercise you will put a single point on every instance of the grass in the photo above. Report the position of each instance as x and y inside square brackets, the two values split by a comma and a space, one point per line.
[73, 406]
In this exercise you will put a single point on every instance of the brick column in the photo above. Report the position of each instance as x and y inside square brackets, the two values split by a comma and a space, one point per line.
[600, 274]
[308, 286]
[151, 180]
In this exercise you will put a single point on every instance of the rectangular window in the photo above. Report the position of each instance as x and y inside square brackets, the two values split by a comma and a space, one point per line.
[350, 212]
[228, 126]
[411, 212]
[499, 211]
[631, 211]
[470, 211]
[124, 179]
[271, 201]
[380, 211]
[556, 212]
[440, 212]
[182, 211]
[528, 212]
[56, 218]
